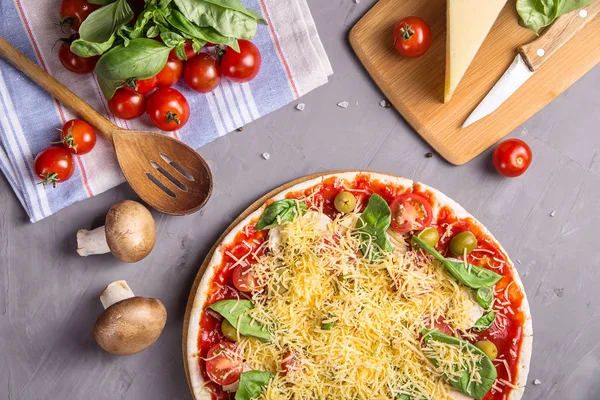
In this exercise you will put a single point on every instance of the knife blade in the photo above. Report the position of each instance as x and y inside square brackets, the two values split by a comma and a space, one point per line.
[531, 57]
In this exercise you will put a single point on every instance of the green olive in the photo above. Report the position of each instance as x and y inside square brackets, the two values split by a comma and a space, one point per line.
[461, 242]
[428, 235]
[488, 348]
[229, 331]
[345, 202]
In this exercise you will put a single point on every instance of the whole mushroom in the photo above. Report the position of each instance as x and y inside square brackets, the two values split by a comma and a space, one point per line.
[129, 233]
[129, 324]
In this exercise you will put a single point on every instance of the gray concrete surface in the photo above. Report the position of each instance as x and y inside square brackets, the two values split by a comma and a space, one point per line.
[49, 296]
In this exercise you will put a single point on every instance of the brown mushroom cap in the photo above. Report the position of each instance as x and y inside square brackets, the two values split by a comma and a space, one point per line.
[130, 231]
[130, 326]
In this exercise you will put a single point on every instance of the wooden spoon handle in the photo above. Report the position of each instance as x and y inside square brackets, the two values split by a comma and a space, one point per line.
[56, 89]
[554, 37]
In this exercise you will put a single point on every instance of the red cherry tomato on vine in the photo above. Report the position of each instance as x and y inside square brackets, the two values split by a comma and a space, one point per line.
[412, 37]
[127, 103]
[410, 212]
[78, 136]
[54, 165]
[202, 73]
[74, 12]
[224, 363]
[168, 109]
[512, 157]
[75, 63]
[242, 66]
[142, 86]
[170, 73]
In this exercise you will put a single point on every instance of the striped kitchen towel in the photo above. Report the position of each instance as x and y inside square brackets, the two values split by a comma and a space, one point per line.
[294, 63]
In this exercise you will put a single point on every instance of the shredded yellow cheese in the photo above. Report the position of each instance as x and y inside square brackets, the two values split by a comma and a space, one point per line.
[315, 275]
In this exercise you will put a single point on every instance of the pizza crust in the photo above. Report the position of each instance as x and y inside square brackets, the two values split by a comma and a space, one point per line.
[195, 375]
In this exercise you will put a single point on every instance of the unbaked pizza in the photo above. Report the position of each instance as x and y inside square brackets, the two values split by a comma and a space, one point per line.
[359, 286]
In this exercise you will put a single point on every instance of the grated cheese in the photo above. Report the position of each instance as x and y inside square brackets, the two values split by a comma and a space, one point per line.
[314, 275]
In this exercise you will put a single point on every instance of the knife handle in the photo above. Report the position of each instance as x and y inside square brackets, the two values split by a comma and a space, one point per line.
[560, 32]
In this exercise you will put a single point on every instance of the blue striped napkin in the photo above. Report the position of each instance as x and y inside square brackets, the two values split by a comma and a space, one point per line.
[294, 63]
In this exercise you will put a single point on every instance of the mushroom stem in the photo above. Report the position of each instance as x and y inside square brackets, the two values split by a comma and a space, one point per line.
[92, 242]
[115, 292]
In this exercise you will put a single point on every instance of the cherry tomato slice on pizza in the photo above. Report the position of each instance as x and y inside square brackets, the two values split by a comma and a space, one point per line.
[288, 363]
[244, 279]
[224, 364]
[410, 212]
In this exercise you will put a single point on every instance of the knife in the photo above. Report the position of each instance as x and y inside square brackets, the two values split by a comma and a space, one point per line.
[531, 57]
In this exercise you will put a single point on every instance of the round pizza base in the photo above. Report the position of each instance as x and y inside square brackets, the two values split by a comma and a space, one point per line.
[214, 257]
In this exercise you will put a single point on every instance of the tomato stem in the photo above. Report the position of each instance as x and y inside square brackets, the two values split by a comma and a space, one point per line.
[172, 117]
[50, 177]
[406, 32]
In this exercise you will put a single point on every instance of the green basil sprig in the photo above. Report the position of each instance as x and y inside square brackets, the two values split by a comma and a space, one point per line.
[538, 14]
[252, 384]
[142, 59]
[207, 34]
[484, 322]
[103, 23]
[485, 296]
[280, 211]
[372, 226]
[469, 275]
[486, 368]
[236, 313]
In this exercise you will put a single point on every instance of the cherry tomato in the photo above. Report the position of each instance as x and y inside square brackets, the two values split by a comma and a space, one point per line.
[244, 279]
[202, 73]
[142, 86]
[73, 62]
[54, 164]
[74, 12]
[78, 136]
[168, 109]
[441, 325]
[127, 103]
[512, 157]
[288, 363]
[188, 48]
[170, 73]
[224, 363]
[412, 37]
[242, 66]
[411, 212]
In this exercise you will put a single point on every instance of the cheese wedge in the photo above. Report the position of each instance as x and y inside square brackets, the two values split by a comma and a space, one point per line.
[469, 22]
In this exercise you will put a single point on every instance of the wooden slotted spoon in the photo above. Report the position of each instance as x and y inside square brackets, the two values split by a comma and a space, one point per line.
[166, 173]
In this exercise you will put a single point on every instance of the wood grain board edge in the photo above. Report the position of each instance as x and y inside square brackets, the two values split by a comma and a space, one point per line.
[253, 207]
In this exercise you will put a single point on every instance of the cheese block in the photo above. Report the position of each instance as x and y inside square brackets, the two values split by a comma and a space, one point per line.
[469, 22]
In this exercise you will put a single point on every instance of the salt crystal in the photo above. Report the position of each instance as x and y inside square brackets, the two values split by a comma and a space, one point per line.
[357, 1]
[301, 107]
[537, 382]
[519, 261]
[383, 103]
[343, 104]
[266, 156]
[553, 213]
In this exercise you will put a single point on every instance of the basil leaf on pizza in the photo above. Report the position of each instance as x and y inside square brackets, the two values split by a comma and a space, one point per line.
[372, 226]
[469, 275]
[484, 322]
[252, 384]
[465, 367]
[280, 211]
[485, 297]
[236, 312]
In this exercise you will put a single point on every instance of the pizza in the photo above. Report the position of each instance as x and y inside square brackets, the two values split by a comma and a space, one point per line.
[359, 285]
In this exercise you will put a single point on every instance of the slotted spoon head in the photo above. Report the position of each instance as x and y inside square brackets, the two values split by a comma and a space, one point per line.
[167, 174]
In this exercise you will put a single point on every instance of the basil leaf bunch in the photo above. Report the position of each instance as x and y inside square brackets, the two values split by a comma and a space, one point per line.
[372, 226]
[484, 322]
[280, 211]
[463, 383]
[469, 275]
[108, 32]
[252, 383]
[236, 312]
[538, 14]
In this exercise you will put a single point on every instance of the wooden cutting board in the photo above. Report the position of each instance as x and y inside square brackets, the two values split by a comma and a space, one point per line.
[416, 86]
